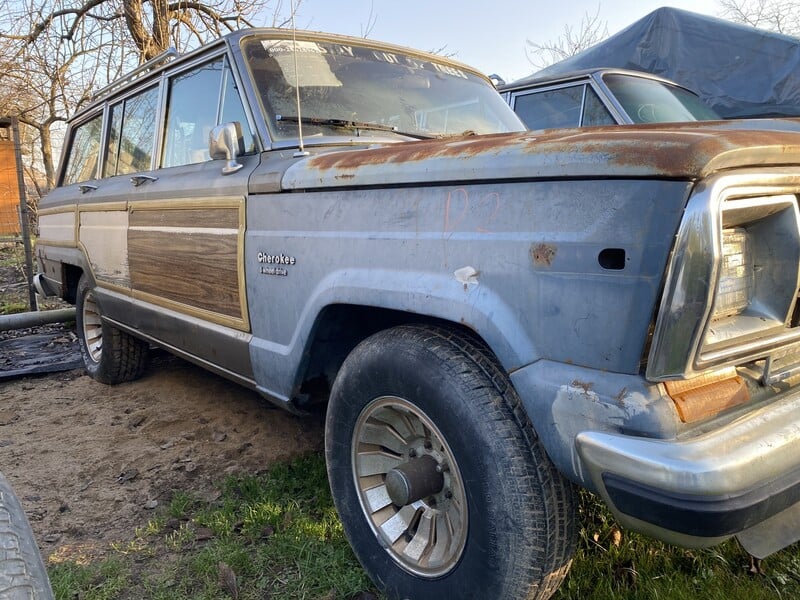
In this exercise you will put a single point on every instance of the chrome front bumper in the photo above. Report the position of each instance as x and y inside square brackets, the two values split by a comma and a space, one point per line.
[700, 490]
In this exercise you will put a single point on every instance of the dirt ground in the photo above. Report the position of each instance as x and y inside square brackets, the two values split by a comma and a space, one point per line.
[91, 462]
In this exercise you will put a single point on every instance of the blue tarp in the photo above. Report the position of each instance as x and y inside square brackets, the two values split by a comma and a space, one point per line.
[738, 70]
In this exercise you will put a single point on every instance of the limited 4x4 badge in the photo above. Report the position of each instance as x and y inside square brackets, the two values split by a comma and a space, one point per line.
[273, 264]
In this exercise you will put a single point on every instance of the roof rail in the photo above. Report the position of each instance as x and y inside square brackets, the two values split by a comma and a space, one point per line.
[168, 55]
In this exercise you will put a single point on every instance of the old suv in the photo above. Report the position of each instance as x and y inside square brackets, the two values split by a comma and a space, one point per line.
[487, 315]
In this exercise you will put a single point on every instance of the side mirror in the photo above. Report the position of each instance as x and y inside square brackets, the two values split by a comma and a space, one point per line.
[225, 141]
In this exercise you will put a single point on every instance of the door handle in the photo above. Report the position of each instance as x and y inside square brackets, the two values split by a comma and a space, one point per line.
[138, 180]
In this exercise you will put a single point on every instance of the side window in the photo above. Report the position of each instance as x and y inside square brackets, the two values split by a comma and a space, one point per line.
[112, 152]
[233, 110]
[137, 134]
[84, 152]
[594, 111]
[191, 114]
[550, 108]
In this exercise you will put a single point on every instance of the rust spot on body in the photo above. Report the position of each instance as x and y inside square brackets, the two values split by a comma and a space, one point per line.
[413, 151]
[672, 150]
[542, 254]
[586, 387]
[620, 398]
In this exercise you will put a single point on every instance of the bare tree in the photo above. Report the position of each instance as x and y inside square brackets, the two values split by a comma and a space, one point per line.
[153, 25]
[571, 41]
[45, 80]
[782, 16]
[56, 52]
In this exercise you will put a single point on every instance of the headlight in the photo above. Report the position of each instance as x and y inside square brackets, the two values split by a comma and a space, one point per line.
[735, 287]
[757, 272]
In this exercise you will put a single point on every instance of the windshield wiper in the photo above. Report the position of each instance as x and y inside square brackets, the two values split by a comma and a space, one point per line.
[345, 124]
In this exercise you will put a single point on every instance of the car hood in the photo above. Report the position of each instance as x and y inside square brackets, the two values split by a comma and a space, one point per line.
[676, 151]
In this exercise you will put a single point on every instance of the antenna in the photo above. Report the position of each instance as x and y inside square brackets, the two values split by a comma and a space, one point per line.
[301, 151]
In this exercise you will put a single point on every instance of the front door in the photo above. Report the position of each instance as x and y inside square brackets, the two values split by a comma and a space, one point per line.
[186, 227]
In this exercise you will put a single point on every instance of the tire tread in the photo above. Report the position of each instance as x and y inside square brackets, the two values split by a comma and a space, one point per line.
[22, 572]
[541, 580]
[123, 357]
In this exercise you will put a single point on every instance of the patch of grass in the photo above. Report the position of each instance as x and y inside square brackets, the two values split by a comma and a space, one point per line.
[619, 565]
[181, 505]
[12, 307]
[13, 285]
[278, 533]
[100, 581]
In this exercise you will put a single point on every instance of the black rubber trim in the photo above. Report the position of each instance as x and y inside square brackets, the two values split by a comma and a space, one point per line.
[703, 516]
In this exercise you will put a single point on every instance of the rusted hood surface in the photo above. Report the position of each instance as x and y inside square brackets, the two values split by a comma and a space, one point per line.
[683, 151]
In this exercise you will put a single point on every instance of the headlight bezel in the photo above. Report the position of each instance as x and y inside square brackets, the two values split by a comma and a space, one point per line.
[686, 341]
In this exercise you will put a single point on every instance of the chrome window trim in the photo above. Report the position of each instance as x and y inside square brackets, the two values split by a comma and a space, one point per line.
[690, 281]
[609, 100]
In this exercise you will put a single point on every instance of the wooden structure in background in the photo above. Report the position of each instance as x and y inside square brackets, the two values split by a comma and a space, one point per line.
[15, 220]
[9, 184]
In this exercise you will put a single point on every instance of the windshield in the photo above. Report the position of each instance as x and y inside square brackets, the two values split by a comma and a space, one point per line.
[348, 87]
[651, 101]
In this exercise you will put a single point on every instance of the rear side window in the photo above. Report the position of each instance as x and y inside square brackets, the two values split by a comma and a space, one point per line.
[112, 154]
[132, 134]
[84, 152]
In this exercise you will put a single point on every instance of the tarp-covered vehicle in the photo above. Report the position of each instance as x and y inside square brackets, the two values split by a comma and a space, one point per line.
[737, 70]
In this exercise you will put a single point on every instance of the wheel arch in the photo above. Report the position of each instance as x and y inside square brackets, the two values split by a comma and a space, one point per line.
[70, 277]
[337, 330]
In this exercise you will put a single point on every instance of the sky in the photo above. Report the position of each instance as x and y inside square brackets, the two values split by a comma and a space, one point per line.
[488, 34]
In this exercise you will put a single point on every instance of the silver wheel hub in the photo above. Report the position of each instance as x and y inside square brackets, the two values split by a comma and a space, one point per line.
[409, 487]
[92, 327]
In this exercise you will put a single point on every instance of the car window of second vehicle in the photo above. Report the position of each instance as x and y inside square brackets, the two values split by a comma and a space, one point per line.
[570, 106]
[652, 101]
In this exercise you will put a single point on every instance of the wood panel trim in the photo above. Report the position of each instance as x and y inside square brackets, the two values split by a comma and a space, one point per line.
[198, 218]
[193, 311]
[190, 203]
[139, 218]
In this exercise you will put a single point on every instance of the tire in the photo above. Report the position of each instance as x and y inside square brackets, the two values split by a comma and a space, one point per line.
[22, 572]
[424, 418]
[111, 356]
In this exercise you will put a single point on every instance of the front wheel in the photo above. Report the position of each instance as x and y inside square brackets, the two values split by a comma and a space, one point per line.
[443, 488]
[111, 356]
